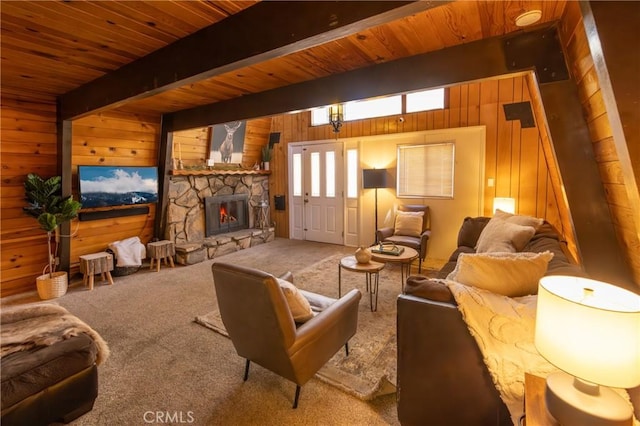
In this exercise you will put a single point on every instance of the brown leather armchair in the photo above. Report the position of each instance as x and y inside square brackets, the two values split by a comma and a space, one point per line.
[260, 325]
[418, 243]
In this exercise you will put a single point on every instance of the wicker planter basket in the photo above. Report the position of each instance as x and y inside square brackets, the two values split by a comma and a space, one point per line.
[50, 288]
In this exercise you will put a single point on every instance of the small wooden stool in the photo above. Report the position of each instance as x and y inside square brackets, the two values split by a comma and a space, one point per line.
[96, 263]
[161, 250]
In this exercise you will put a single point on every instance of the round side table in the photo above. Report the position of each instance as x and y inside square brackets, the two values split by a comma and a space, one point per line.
[372, 276]
[405, 259]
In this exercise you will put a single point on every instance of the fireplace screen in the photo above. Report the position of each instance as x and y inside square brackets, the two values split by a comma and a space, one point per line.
[226, 213]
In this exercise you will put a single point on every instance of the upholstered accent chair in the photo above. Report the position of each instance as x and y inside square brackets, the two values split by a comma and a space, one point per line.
[408, 231]
[259, 320]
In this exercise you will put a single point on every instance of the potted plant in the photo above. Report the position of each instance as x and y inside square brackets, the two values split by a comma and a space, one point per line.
[51, 210]
[266, 157]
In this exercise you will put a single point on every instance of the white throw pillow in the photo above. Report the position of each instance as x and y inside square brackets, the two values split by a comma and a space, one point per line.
[509, 274]
[298, 304]
[519, 219]
[502, 236]
[409, 224]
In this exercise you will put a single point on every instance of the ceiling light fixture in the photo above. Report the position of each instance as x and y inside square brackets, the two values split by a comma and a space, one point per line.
[528, 18]
[336, 116]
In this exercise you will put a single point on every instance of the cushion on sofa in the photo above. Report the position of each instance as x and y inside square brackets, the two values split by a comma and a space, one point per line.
[560, 264]
[502, 236]
[428, 288]
[509, 274]
[298, 304]
[470, 230]
[519, 219]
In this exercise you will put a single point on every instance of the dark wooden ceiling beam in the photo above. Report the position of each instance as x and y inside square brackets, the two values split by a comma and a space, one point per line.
[434, 69]
[267, 30]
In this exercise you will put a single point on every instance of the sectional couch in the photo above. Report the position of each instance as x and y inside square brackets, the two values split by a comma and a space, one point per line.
[442, 378]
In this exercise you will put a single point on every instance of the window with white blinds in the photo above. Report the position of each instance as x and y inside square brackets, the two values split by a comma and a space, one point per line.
[426, 170]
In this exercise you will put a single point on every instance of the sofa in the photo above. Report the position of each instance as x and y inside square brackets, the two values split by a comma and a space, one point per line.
[50, 364]
[442, 378]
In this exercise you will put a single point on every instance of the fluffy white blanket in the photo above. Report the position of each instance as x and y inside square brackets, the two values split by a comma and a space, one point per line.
[26, 327]
[129, 252]
[504, 329]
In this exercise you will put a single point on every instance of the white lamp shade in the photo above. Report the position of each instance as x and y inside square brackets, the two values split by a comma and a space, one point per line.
[505, 204]
[589, 329]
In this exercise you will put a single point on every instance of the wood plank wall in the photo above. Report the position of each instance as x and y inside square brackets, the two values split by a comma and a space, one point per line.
[112, 139]
[193, 145]
[580, 62]
[28, 145]
[515, 157]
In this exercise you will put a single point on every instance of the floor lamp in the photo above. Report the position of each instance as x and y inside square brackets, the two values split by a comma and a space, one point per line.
[374, 179]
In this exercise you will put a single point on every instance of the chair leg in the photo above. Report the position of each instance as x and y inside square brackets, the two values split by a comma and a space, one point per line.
[246, 370]
[419, 265]
[295, 401]
[346, 348]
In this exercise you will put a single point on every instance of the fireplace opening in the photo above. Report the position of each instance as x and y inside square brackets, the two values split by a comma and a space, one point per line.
[226, 217]
[226, 213]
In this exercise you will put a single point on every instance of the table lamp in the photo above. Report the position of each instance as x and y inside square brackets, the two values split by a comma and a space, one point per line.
[505, 204]
[591, 331]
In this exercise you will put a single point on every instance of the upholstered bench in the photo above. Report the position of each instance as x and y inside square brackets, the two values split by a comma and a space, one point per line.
[49, 365]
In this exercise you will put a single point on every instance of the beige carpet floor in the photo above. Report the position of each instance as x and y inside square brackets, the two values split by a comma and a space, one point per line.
[165, 366]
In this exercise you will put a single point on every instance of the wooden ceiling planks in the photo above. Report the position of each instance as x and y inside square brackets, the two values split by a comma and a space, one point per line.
[50, 48]
[434, 29]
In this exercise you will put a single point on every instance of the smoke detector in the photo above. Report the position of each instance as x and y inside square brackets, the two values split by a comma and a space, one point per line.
[528, 18]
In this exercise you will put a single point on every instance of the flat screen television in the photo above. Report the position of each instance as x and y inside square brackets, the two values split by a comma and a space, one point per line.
[105, 186]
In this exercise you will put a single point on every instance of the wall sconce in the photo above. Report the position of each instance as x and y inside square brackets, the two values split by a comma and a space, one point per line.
[590, 330]
[507, 205]
[336, 116]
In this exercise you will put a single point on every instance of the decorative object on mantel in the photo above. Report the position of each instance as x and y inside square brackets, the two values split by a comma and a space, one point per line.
[363, 254]
[266, 157]
[51, 210]
[227, 142]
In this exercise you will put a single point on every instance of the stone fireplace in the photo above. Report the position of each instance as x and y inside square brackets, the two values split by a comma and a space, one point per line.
[187, 211]
[226, 213]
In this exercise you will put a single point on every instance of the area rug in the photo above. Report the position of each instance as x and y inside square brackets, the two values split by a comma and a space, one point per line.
[370, 369]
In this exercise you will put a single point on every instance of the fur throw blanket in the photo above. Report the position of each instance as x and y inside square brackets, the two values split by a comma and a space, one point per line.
[26, 327]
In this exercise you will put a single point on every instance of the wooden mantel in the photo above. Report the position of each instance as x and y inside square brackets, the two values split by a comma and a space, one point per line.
[218, 172]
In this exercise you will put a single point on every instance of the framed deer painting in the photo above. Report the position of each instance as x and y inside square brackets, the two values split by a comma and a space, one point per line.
[227, 142]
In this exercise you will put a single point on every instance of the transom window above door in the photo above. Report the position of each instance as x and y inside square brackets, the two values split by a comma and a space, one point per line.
[423, 100]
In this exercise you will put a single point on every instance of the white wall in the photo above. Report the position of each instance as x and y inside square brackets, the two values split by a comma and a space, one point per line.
[446, 214]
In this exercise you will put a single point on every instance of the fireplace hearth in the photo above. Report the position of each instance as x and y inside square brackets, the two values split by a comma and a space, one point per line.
[226, 213]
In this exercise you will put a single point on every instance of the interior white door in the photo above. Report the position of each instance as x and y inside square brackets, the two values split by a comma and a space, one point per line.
[321, 201]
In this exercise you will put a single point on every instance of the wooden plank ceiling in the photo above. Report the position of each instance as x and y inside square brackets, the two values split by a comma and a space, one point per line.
[51, 48]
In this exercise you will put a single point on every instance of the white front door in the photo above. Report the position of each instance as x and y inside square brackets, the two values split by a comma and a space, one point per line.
[316, 193]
